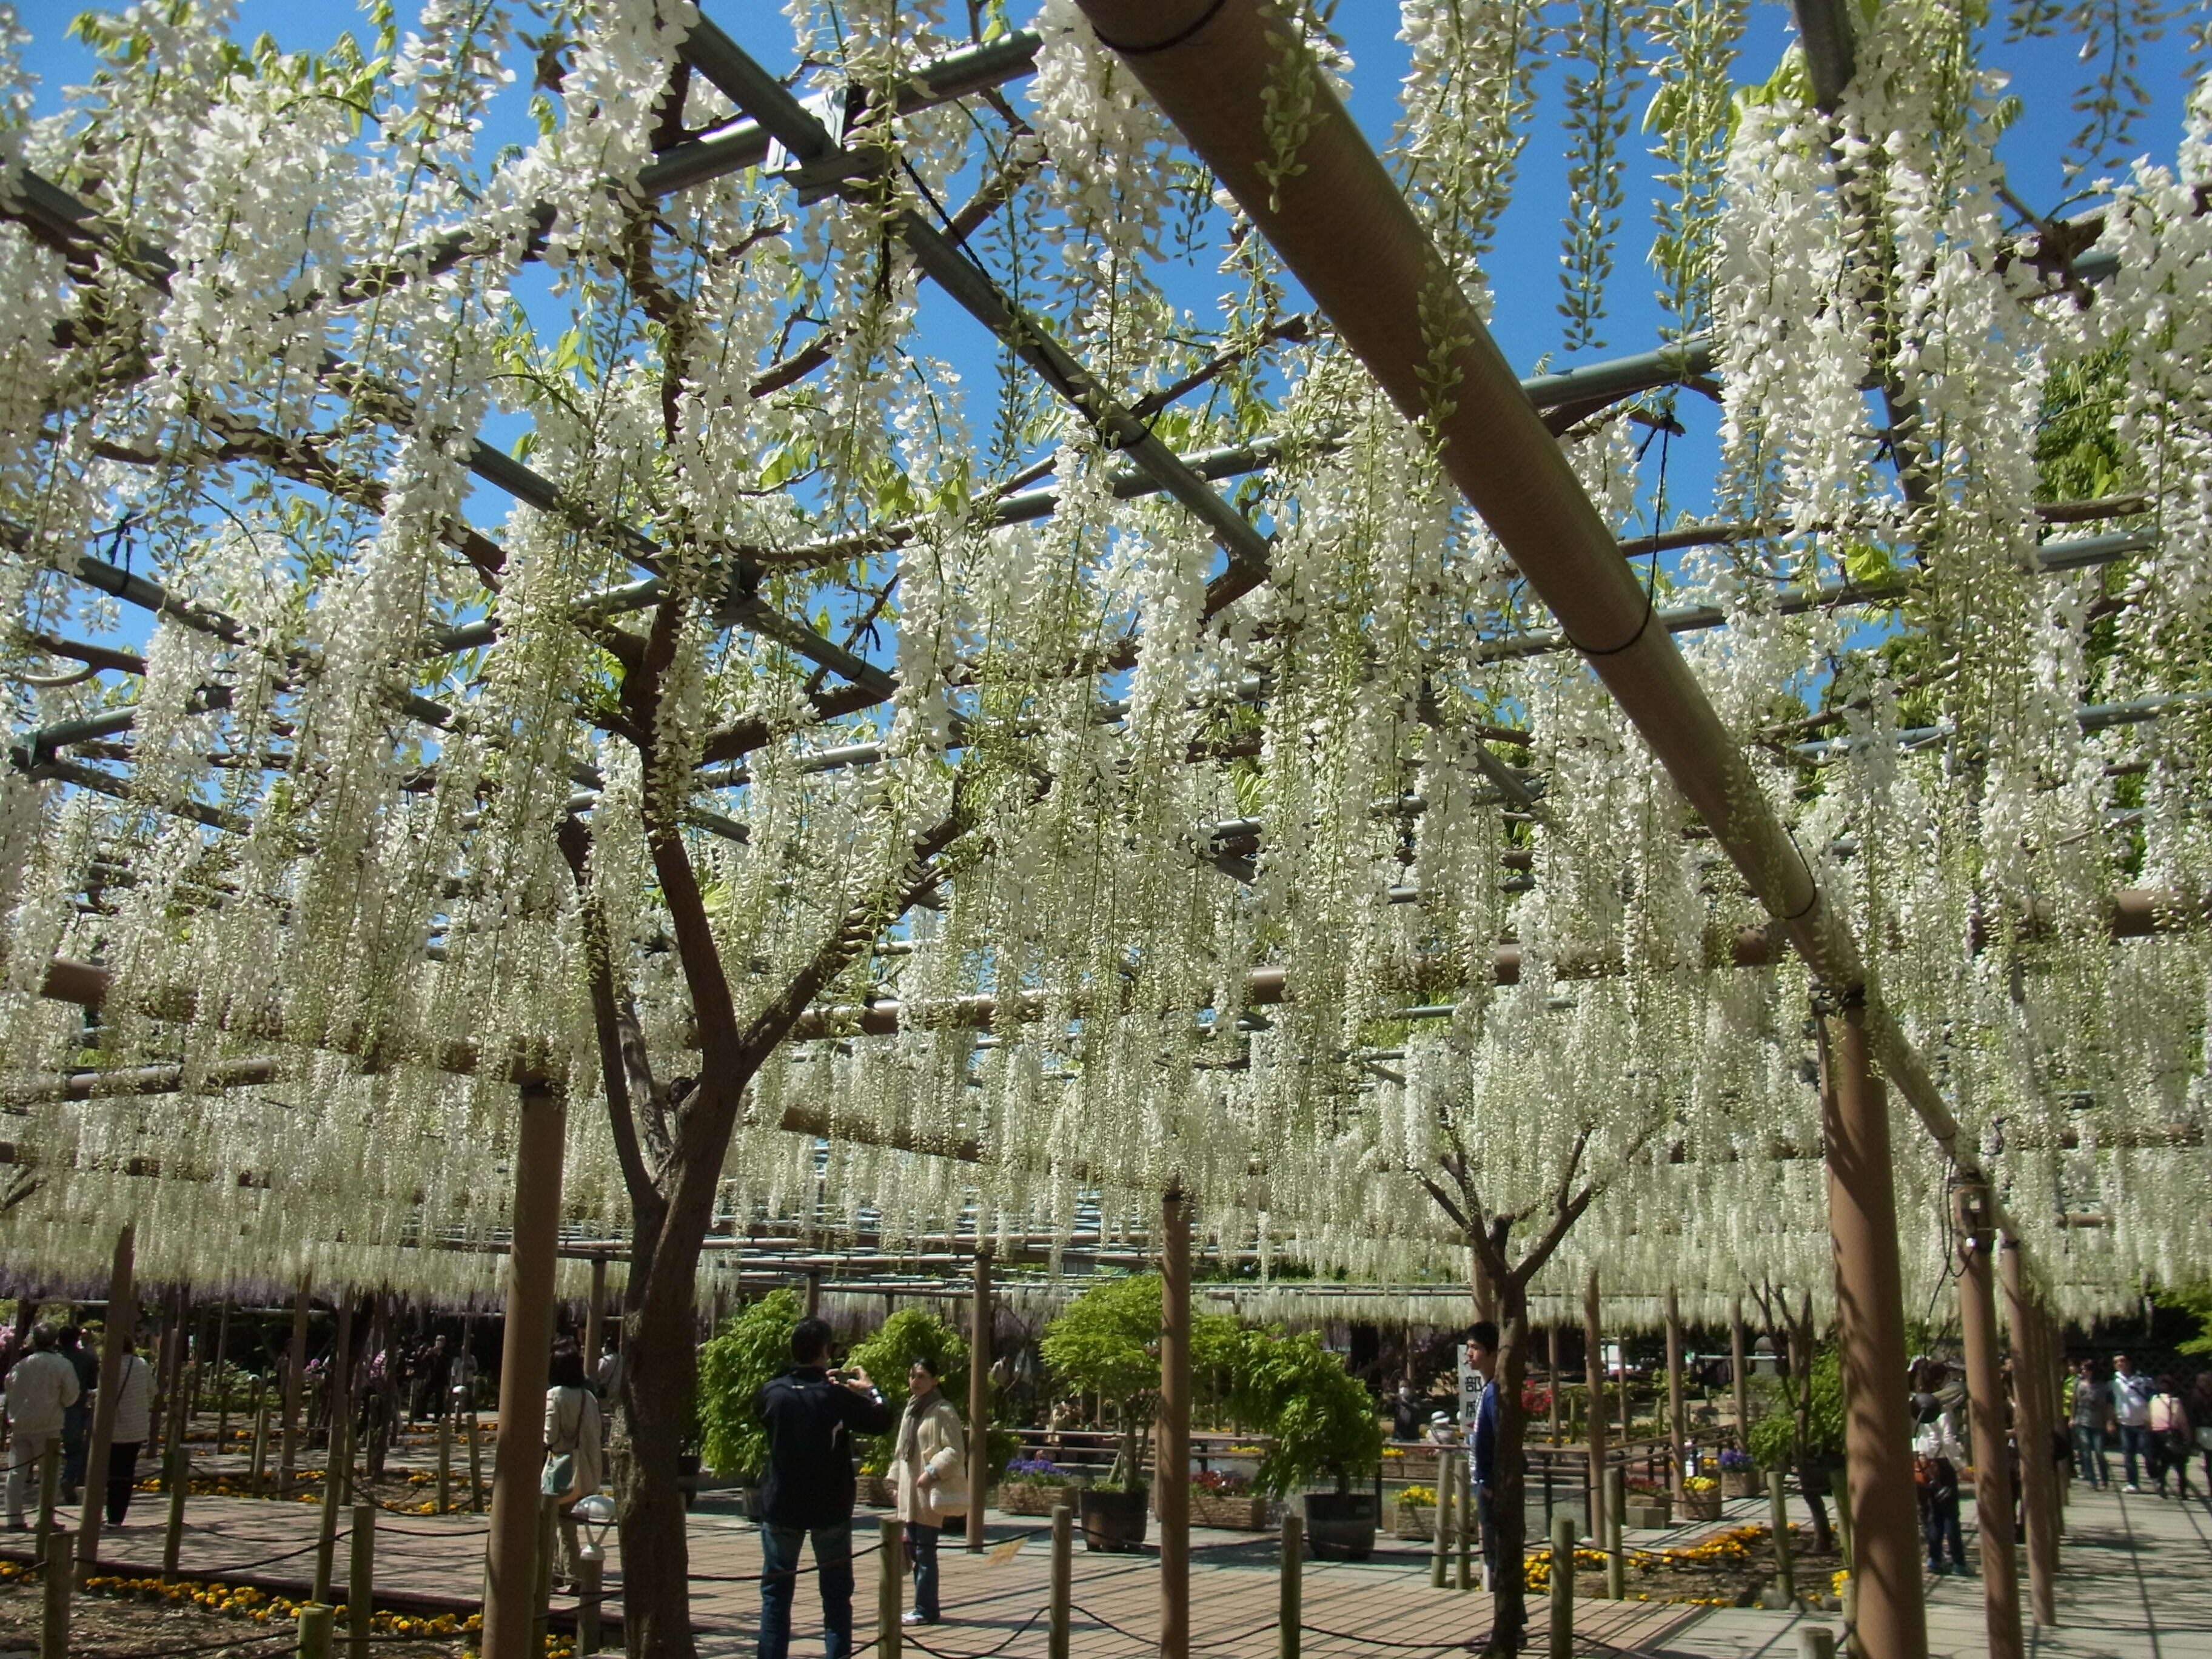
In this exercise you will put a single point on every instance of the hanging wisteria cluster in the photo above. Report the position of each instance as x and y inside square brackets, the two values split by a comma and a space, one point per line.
[355, 473]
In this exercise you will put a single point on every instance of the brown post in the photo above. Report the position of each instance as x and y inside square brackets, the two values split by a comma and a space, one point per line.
[1739, 1384]
[595, 1314]
[1594, 1377]
[1552, 1336]
[813, 1294]
[1870, 1313]
[510, 1570]
[1677, 1430]
[337, 1460]
[1985, 1398]
[295, 1369]
[979, 1399]
[2038, 1479]
[122, 1325]
[1172, 1470]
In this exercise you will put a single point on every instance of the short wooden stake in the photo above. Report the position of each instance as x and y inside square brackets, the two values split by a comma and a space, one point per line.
[591, 1582]
[541, 1583]
[445, 1465]
[1290, 1609]
[315, 1631]
[54, 1558]
[258, 1481]
[891, 1589]
[1616, 1553]
[1562, 1587]
[180, 1485]
[1777, 1504]
[1468, 1520]
[476, 1467]
[360, 1582]
[1816, 1642]
[1440, 1548]
[1062, 1591]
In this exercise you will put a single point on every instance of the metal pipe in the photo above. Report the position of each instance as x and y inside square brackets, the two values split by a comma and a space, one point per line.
[1217, 67]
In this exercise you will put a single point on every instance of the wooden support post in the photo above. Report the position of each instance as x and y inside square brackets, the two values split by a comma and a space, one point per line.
[813, 1294]
[1985, 1400]
[1551, 1335]
[525, 1356]
[1870, 1314]
[1290, 1603]
[1777, 1514]
[1061, 1594]
[595, 1316]
[315, 1620]
[1171, 1467]
[1739, 1384]
[53, 1554]
[326, 1533]
[180, 1482]
[1594, 1382]
[2039, 1477]
[122, 1327]
[891, 1588]
[1839, 1493]
[1616, 1553]
[1562, 1587]
[983, 1313]
[1440, 1546]
[337, 1393]
[221, 1380]
[295, 1377]
[361, 1581]
[1677, 1431]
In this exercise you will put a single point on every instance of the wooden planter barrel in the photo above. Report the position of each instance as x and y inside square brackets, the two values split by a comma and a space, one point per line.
[1340, 1525]
[1113, 1521]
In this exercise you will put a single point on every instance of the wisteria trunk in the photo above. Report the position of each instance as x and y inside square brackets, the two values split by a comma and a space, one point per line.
[660, 1371]
[1509, 1505]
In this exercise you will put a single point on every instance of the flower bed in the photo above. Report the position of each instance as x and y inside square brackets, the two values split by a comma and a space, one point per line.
[1701, 1498]
[1018, 1497]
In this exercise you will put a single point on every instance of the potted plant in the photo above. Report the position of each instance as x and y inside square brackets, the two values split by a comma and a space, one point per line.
[1106, 1342]
[1738, 1475]
[1701, 1498]
[1322, 1422]
[1221, 1499]
[1036, 1485]
[1415, 1516]
[1647, 1505]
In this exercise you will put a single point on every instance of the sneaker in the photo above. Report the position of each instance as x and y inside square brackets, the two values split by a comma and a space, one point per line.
[2132, 1487]
[910, 1617]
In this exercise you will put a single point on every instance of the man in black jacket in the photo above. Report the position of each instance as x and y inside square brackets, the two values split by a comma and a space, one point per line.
[812, 1415]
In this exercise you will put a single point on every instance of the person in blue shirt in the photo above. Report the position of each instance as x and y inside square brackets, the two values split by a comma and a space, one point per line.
[1482, 1461]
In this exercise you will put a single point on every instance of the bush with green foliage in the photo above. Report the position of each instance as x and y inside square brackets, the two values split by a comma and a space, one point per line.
[752, 1347]
[1319, 1419]
[1107, 1342]
[1796, 1428]
[909, 1335]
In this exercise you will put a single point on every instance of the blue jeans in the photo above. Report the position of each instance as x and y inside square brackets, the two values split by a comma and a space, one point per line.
[1939, 1525]
[2090, 1442]
[2135, 1442]
[921, 1550]
[833, 1563]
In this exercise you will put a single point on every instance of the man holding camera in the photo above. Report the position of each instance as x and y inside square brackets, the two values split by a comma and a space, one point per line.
[811, 1413]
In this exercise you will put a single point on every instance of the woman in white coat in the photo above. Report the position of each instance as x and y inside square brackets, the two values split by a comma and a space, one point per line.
[572, 1443]
[931, 1464]
[134, 1427]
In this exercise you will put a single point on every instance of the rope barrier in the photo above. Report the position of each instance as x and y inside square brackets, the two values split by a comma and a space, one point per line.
[936, 1653]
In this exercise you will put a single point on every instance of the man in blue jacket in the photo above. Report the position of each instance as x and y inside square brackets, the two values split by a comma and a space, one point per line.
[811, 1414]
[1482, 1452]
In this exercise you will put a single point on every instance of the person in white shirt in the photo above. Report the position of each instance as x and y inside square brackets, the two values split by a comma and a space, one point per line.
[41, 1389]
[2131, 1393]
[134, 1427]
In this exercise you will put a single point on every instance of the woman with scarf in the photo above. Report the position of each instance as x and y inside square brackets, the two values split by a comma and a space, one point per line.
[931, 1465]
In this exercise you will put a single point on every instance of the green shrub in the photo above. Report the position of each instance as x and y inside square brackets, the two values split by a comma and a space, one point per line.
[1319, 1418]
[752, 1347]
[909, 1335]
[1107, 1342]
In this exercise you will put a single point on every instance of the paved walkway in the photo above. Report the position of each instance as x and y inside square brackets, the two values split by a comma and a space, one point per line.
[2136, 1584]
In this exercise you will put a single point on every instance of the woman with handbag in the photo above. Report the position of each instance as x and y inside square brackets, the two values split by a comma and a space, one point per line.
[571, 1448]
[2171, 1443]
[932, 1466]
